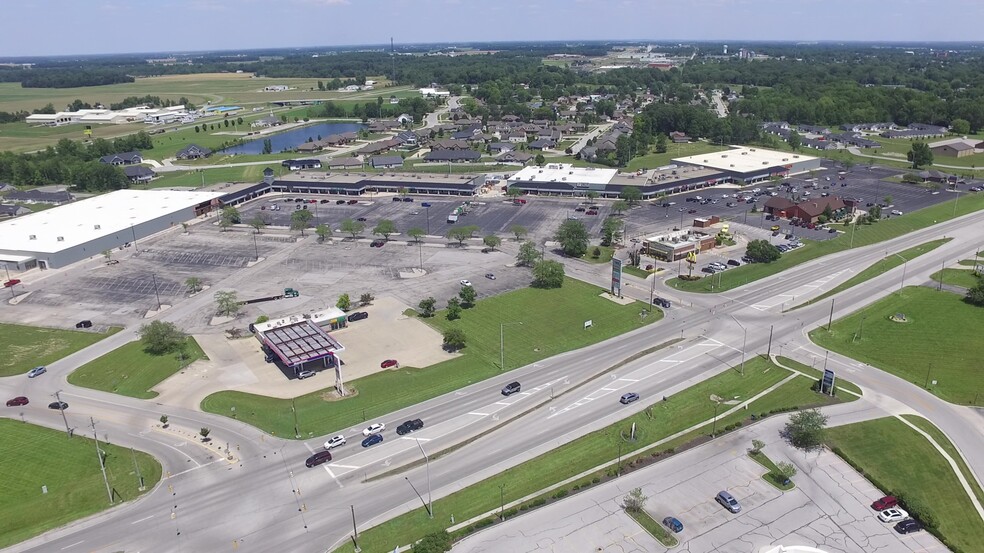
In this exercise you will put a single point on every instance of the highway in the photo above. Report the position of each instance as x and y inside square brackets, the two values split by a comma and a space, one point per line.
[267, 500]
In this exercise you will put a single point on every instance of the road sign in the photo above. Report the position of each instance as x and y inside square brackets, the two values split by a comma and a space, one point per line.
[616, 277]
[827, 384]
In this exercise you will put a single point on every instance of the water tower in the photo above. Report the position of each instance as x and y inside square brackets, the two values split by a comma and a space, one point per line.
[725, 49]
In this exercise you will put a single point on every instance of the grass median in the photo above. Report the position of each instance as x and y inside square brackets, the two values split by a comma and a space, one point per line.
[654, 528]
[877, 268]
[817, 374]
[964, 278]
[863, 235]
[25, 347]
[552, 323]
[947, 446]
[662, 419]
[916, 470]
[131, 371]
[70, 470]
[937, 347]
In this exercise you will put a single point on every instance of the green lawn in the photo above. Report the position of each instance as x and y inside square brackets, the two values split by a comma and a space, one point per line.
[970, 262]
[941, 341]
[664, 418]
[956, 277]
[552, 323]
[863, 235]
[653, 160]
[818, 373]
[25, 347]
[70, 470]
[605, 254]
[877, 268]
[130, 371]
[947, 446]
[916, 470]
[656, 529]
[248, 173]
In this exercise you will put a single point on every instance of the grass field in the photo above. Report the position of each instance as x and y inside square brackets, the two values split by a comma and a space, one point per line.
[940, 341]
[652, 160]
[818, 373]
[552, 323]
[70, 470]
[604, 256]
[863, 235]
[681, 411]
[947, 446]
[917, 470]
[877, 268]
[25, 347]
[130, 371]
[246, 173]
[956, 277]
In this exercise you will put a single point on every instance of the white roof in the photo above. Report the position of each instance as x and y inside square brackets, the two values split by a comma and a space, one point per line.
[564, 172]
[743, 160]
[43, 116]
[84, 220]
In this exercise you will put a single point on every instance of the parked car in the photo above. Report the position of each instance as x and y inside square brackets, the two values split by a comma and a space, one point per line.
[36, 371]
[591, 212]
[318, 458]
[728, 501]
[17, 401]
[377, 243]
[628, 398]
[11, 282]
[84, 324]
[673, 525]
[339, 202]
[465, 282]
[335, 441]
[407, 199]
[734, 262]
[886, 502]
[894, 514]
[896, 212]
[490, 276]
[325, 201]
[357, 316]
[60, 405]
[908, 526]
[511, 388]
[389, 363]
[396, 199]
[372, 440]
[708, 269]
[691, 211]
[305, 374]
[579, 208]
[374, 428]
[409, 426]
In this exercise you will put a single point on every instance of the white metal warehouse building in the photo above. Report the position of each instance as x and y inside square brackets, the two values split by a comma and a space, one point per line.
[69, 233]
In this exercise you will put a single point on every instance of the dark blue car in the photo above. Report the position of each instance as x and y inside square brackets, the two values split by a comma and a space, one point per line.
[673, 524]
[372, 440]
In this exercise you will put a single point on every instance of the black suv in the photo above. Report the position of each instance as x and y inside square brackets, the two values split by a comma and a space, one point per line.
[84, 324]
[511, 389]
[410, 426]
[358, 316]
[908, 525]
[317, 459]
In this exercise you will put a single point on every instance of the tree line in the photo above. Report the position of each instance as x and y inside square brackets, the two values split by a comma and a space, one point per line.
[72, 162]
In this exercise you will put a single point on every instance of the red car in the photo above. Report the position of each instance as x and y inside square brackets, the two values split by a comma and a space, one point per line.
[389, 363]
[11, 282]
[17, 401]
[591, 212]
[886, 502]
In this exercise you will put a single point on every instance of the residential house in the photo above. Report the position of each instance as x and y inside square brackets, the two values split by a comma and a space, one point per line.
[815, 144]
[39, 197]
[587, 153]
[379, 146]
[268, 121]
[5, 187]
[298, 164]
[409, 139]
[813, 129]
[812, 209]
[386, 162]
[776, 205]
[513, 156]
[126, 158]
[13, 210]
[449, 144]
[309, 147]
[404, 119]
[501, 147]
[139, 173]
[516, 136]
[344, 163]
[452, 156]
[193, 151]
[383, 126]
[511, 118]
[542, 144]
[679, 138]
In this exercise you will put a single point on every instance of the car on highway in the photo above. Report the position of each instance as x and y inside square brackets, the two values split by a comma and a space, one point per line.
[728, 501]
[908, 526]
[36, 371]
[60, 405]
[410, 426]
[318, 458]
[896, 212]
[374, 428]
[895, 514]
[662, 302]
[335, 441]
[372, 440]
[490, 276]
[465, 282]
[691, 211]
[357, 316]
[673, 524]
[511, 388]
[389, 363]
[17, 401]
[628, 398]
[362, 219]
[886, 502]
[305, 374]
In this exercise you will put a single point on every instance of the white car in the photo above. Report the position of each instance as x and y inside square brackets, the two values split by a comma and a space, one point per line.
[305, 374]
[335, 441]
[374, 428]
[896, 212]
[465, 282]
[894, 514]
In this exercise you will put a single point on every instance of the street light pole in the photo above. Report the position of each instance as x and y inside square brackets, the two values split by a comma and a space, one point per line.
[430, 498]
[256, 250]
[502, 501]
[715, 425]
[422, 502]
[355, 531]
[744, 341]
[905, 262]
[502, 348]
[102, 464]
[156, 293]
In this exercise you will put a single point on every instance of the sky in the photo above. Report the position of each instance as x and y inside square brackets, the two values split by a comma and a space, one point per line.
[65, 27]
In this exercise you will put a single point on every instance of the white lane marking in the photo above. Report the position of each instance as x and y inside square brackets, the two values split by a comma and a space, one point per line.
[629, 379]
[413, 438]
[143, 519]
[73, 545]
[501, 403]
[477, 414]
[332, 474]
[336, 465]
[311, 449]
[196, 468]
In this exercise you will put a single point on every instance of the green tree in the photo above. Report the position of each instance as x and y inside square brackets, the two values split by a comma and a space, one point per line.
[548, 274]
[460, 234]
[416, 233]
[492, 241]
[610, 229]
[161, 337]
[795, 140]
[435, 542]
[761, 251]
[960, 126]
[267, 146]
[229, 216]
[227, 303]
[467, 295]
[352, 227]
[514, 192]
[635, 501]
[631, 195]
[920, 155]
[757, 446]
[539, 159]
[528, 254]
[785, 470]
[194, 284]
[108, 254]
[454, 309]
[975, 294]
[619, 207]
[323, 231]
[592, 195]
[300, 219]
[257, 223]
[427, 306]
[344, 302]
[519, 231]
[385, 228]
[805, 429]
[661, 144]
[874, 213]
[454, 339]
[888, 200]
[573, 237]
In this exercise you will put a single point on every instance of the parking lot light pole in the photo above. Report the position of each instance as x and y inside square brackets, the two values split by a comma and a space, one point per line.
[502, 344]
[256, 251]
[743, 342]
[156, 293]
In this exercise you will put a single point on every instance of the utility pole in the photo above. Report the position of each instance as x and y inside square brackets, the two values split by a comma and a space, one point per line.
[652, 289]
[136, 467]
[830, 321]
[502, 502]
[942, 269]
[64, 418]
[769, 352]
[102, 465]
[355, 531]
